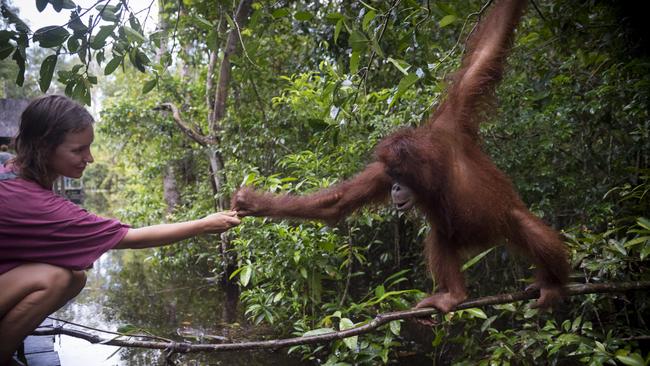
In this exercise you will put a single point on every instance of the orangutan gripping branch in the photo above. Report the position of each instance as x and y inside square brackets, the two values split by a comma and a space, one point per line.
[440, 168]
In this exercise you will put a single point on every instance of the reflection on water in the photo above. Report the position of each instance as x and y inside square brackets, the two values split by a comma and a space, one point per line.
[124, 288]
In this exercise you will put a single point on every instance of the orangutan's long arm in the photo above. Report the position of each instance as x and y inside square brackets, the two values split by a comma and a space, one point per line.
[331, 204]
[482, 68]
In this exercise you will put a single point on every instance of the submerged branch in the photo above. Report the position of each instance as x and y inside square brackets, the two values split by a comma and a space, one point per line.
[377, 321]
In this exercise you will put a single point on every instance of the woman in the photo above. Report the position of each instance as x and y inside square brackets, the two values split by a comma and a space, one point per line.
[46, 241]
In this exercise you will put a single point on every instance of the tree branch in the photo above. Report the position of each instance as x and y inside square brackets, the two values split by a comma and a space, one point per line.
[187, 130]
[379, 320]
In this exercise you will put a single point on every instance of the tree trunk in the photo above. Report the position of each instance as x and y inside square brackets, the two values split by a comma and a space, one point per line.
[217, 112]
[170, 188]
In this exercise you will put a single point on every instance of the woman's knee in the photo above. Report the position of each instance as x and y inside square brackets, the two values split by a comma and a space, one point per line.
[77, 282]
[61, 281]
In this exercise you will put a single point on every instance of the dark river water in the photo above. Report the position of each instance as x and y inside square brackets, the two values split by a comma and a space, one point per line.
[124, 288]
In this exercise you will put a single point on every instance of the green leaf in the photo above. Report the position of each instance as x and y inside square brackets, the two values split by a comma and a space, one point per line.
[57, 5]
[128, 329]
[279, 13]
[149, 85]
[81, 92]
[6, 50]
[401, 65]
[108, 14]
[133, 35]
[51, 36]
[351, 342]
[245, 276]
[633, 359]
[203, 23]
[380, 291]
[337, 29]
[376, 47]
[318, 331]
[404, 84]
[358, 41]
[41, 5]
[20, 61]
[98, 41]
[644, 222]
[303, 16]
[395, 326]
[46, 72]
[73, 44]
[486, 324]
[475, 260]
[448, 19]
[77, 26]
[113, 64]
[476, 313]
[367, 19]
[135, 23]
[354, 62]
[69, 4]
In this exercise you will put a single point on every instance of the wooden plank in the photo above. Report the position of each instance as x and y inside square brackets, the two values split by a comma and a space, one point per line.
[39, 350]
[43, 359]
[40, 344]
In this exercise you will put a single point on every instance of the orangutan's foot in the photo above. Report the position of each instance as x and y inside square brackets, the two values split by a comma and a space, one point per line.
[443, 301]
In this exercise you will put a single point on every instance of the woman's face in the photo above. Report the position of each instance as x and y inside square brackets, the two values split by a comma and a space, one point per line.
[73, 155]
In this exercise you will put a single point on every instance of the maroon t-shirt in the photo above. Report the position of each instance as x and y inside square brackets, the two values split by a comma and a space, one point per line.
[36, 225]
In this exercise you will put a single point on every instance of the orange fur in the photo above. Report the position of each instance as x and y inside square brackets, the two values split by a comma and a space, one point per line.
[467, 200]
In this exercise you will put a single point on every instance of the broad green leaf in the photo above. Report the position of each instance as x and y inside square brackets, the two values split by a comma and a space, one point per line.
[133, 35]
[445, 21]
[404, 84]
[633, 359]
[135, 23]
[358, 41]
[476, 313]
[334, 17]
[113, 64]
[354, 62]
[41, 5]
[51, 36]
[203, 23]
[98, 41]
[5, 50]
[367, 19]
[73, 44]
[351, 342]
[635, 241]
[380, 291]
[245, 276]
[46, 72]
[69, 4]
[81, 92]
[149, 85]
[303, 16]
[20, 61]
[108, 14]
[279, 13]
[395, 326]
[401, 65]
[376, 47]
[337, 29]
[318, 331]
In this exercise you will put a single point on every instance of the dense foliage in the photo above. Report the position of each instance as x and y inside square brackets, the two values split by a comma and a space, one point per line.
[316, 85]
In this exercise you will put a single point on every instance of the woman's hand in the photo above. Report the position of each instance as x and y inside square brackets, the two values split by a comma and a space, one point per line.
[219, 222]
